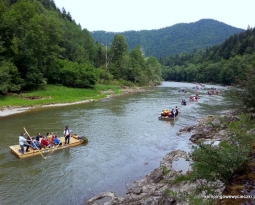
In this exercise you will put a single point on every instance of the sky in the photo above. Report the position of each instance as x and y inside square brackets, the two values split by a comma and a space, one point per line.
[126, 15]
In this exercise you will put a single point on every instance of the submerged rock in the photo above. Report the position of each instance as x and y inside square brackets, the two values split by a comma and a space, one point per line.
[103, 198]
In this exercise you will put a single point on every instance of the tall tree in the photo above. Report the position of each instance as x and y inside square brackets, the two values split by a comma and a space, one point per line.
[118, 50]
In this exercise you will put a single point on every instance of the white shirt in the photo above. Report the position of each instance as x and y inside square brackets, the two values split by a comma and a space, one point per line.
[67, 132]
[22, 140]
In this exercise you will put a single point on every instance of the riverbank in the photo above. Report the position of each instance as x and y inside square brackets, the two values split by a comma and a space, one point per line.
[168, 185]
[10, 110]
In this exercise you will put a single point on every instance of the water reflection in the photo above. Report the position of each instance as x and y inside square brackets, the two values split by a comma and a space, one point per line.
[126, 142]
[181, 165]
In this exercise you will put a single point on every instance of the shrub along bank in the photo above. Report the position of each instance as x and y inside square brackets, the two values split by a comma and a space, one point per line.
[213, 167]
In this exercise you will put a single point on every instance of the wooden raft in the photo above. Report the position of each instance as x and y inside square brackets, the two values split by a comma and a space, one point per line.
[15, 148]
[168, 118]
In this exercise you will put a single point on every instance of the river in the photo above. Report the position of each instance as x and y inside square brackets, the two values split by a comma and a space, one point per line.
[126, 142]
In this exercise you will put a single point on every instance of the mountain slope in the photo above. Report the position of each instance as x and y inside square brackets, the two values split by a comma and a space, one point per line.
[182, 37]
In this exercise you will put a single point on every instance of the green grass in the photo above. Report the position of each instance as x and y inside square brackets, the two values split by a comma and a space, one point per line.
[52, 94]
[182, 178]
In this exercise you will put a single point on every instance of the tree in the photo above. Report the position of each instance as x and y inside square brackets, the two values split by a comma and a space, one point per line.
[10, 80]
[23, 29]
[118, 50]
[100, 56]
[247, 87]
[155, 67]
[137, 57]
[77, 75]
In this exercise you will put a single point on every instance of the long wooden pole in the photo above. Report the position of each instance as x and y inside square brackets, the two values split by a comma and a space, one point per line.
[33, 143]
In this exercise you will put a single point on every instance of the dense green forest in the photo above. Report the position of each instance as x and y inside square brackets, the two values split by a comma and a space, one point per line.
[179, 38]
[230, 63]
[41, 44]
[224, 63]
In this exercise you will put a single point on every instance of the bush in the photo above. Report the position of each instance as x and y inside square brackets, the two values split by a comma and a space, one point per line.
[126, 83]
[78, 75]
[217, 163]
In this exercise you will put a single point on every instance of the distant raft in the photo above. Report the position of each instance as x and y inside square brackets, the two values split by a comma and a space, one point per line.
[74, 141]
[168, 118]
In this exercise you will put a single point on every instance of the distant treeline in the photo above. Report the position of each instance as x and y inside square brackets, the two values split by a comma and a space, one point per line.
[41, 44]
[225, 63]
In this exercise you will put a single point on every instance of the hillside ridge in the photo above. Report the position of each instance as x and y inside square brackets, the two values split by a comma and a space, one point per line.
[179, 38]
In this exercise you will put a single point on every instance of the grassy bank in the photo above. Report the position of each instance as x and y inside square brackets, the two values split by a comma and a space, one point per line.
[52, 94]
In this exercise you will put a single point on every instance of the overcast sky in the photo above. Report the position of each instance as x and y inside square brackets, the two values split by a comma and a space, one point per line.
[126, 15]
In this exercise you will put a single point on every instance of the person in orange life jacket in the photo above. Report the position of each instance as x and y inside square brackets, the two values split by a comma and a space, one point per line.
[67, 133]
[52, 139]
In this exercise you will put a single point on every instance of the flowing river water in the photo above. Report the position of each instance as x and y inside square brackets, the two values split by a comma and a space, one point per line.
[126, 142]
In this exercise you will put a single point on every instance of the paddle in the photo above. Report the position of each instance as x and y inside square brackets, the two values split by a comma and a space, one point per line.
[33, 143]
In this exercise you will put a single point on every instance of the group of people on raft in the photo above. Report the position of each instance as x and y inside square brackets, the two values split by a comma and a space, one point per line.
[171, 114]
[41, 141]
[182, 90]
[213, 92]
[184, 102]
[197, 88]
[201, 84]
[192, 98]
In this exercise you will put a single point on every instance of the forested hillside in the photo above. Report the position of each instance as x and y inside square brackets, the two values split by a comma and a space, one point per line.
[40, 45]
[225, 63]
[182, 37]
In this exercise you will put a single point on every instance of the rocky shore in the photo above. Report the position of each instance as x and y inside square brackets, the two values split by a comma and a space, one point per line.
[153, 189]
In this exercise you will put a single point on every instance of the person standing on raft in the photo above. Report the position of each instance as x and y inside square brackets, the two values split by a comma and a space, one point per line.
[67, 133]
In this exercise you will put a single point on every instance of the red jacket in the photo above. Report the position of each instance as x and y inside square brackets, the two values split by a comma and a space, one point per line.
[45, 142]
